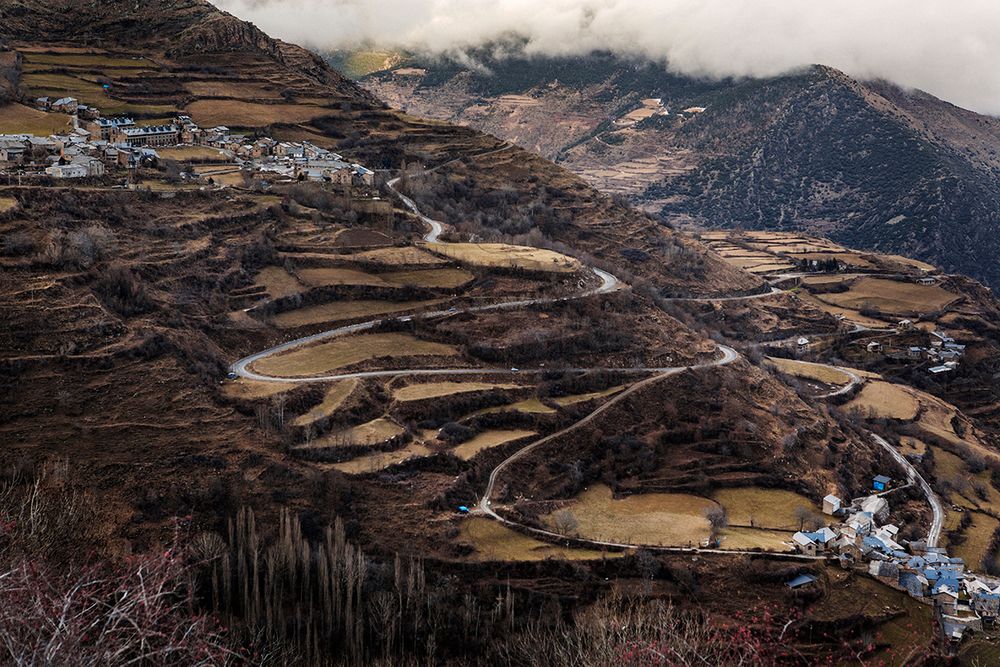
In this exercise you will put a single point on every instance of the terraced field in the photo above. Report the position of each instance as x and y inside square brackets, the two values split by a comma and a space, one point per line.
[508, 256]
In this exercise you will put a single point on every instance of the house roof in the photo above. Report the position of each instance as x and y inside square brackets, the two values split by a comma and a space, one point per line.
[801, 580]
[803, 539]
[832, 499]
[883, 478]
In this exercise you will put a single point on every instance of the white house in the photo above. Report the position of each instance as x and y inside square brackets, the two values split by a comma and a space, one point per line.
[67, 171]
[831, 504]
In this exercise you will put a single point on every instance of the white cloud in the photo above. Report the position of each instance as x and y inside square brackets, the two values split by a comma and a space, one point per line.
[949, 49]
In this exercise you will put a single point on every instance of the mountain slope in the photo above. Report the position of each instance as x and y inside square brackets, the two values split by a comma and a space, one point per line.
[867, 163]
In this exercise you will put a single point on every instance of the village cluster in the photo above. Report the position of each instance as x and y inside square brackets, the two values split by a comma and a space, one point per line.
[96, 143]
[963, 600]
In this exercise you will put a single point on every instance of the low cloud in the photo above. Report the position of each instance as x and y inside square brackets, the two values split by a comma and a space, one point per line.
[949, 49]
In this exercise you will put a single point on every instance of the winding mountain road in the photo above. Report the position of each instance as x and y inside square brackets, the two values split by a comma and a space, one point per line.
[607, 283]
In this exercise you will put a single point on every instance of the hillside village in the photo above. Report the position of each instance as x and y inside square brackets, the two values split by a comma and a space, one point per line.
[98, 145]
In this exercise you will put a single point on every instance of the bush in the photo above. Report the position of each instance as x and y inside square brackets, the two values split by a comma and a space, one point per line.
[120, 290]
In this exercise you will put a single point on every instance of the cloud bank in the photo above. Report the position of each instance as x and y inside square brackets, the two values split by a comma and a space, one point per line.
[950, 49]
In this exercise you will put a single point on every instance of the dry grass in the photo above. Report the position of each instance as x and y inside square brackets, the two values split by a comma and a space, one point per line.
[239, 89]
[916, 263]
[754, 538]
[670, 519]
[495, 542]
[337, 311]
[335, 396]
[826, 280]
[382, 460]
[847, 313]
[375, 432]
[508, 256]
[851, 259]
[252, 389]
[448, 278]
[88, 92]
[911, 446]
[235, 113]
[86, 60]
[886, 400]
[342, 352]
[277, 282]
[324, 277]
[19, 119]
[805, 369]
[978, 539]
[772, 267]
[767, 508]
[406, 255]
[891, 296]
[7, 204]
[183, 153]
[417, 392]
[529, 405]
[487, 439]
[573, 399]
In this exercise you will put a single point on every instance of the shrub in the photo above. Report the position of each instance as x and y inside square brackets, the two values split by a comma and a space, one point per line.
[120, 290]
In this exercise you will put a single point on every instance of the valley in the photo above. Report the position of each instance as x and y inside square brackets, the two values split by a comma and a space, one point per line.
[390, 389]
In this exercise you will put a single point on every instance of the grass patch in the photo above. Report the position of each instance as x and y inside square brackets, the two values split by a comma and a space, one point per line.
[885, 400]
[236, 113]
[675, 519]
[818, 372]
[404, 256]
[531, 406]
[342, 352]
[20, 119]
[486, 440]
[495, 542]
[382, 460]
[239, 89]
[775, 509]
[336, 311]
[502, 255]
[737, 537]
[335, 396]
[87, 60]
[417, 392]
[325, 277]
[447, 278]
[277, 282]
[573, 399]
[7, 204]
[252, 389]
[88, 92]
[375, 432]
[978, 539]
[184, 153]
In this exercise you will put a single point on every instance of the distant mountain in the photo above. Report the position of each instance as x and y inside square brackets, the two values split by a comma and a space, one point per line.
[866, 163]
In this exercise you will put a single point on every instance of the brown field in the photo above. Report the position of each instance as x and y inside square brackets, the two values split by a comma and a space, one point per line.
[767, 508]
[508, 256]
[238, 89]
[235, 113]
[19, 119]
[417, 392]
[336, 311]
[770, 268]
[916, 263]
[908, 446]
[222, 174]
[495, 542]
[487, 439]
[447, 278]
[341, 352]
[890, 296]
[528, 405]
[332, 400]
[252, 389]
[324, 277]
[406, 255]
[978, 539]
[846, 313]
[182, 153]
[7, 204]
[735, 537]
[370, 433]
[573, 399]
[278, 282]
[886, 400]
[818, 372]
[86, 60]
[676, 519]
[851, 259]
[381, 460]
[825, 280]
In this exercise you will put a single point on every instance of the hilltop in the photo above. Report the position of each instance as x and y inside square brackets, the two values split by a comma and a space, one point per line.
[866, 163]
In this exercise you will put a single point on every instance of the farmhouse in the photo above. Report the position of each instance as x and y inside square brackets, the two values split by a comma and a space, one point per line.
[831, 505]
[153, 135]
[874, 347]
[65, 105]
[880, 483]
[67, 171]
[11, 150]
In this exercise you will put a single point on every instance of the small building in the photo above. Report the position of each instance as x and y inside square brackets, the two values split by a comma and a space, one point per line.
[926, 280]
[880, 483]
[874, 347]
[831, 505]
[914, 352]
[65, 105]
[904, 325]
[93, 165]
[801, 580]
[938, 370]
[43, 103]
[12, 150]
[802, 343]
[805, 544]
[67, 171]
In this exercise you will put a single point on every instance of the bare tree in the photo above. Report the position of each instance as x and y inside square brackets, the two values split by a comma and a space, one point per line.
[565, 523]
[717, 520]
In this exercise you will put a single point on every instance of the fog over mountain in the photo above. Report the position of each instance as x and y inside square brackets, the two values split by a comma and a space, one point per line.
[948, 49]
